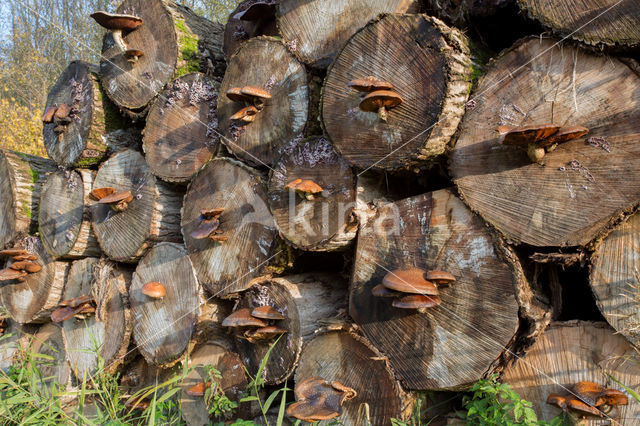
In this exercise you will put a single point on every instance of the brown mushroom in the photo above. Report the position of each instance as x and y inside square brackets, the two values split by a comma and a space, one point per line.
[198, 389]
[9, 274]
[82, 311]
[246, 114]
[319, 400]
[154, 290]
[613, 397]
[348, 393]
[236, 95]
[61, 116]
[306, 189]
[382, 291]
[258, 11]
[120, 25]
[99, 193]
[409, 280]
[557, 399]
[62, 314]
[267, 312]
[439, 277]
[47, 117]
[211, 213]
[370, 84]
[118, 201]
[22, 257]
[14, 252]
[566, 134]
[133, 55]
[416, 301]
[256, 92]
[595, 394]
[525, 135]
[379, 101]
[264, 333]
[205, 228]
[77, 301]
[27, 266]
[582, 408]
[242, 318]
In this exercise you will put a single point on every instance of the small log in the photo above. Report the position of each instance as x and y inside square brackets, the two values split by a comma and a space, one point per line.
[52, 362]
[225, 267]
[106, 332]
[238, 30]
[163, 325]
[574, 351]
[316, 30]
[174, 41]
[182, 134]
[152, 216]
[308, 302]
[92, 126]
[428, 65]
[21, 180]
[324, 223]
[265, 63]
[571, 196]
[480, 313]
[64, 219]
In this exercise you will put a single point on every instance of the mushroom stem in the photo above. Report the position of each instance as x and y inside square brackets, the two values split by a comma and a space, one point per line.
[118, 40]
[382, 114]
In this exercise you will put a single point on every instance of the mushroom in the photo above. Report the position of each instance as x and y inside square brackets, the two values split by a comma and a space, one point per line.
[77, 301]
[212, 213]
[595, 394]
[118, 201]
[62, 314]
[47, 117]
[382, 291]
[379, 101]
[370, 84]
[319, 400]
[99, 193]
[539, 139]
[613, 397]
[23, 257]
[9, 274]
[154, 290]
[566, 134]
[27, 266]
[572, 403]
[208, 223]
[409, 280]
[242, 318]
[120, 25]
[198, 389]
[264, 333]
[440, 277]
[416, 301]
[258, 94]
[258, 11]
[246, 114]
[236, 95]
[306, 189]
[132, 55]
[267, 312]
[14, 252]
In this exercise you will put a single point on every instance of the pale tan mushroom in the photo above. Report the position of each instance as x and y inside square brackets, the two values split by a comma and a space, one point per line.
[120, 25]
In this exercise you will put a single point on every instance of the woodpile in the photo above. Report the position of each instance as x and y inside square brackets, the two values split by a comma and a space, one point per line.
[349, 187]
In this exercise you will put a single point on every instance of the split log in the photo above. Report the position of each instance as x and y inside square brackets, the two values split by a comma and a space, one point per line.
[9, 343]
[163, 323]
[325, 222]
[307, 301]
[601, 23]
[21, 180]
[489, 308]
[315, 30]
[429, 67]
[225, 267]
[240, 27]
[350, 360]
[571, 196]
[64, 219]
[105, 333]
[174, 42]
[53, 367]
[152, 216]
[181, 134]
[265, 63]
[85, 125]
[574, 351]
[33, 300]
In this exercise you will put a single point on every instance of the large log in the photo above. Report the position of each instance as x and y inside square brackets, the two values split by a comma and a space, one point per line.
[225, 267]
[264, 62]
[50, 359]
[86, 125]
[571, 352]
[152, 216]
[242, 26]
[461, 13]
[64, 219]
[316, 30]
[325, 222]
[182, 134]
[429, 67]
[21, 180]
[175, 41]
[489, 308]
[574, 192]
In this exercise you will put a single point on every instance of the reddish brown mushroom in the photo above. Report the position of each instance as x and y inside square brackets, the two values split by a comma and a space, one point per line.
[307, 189]
[243, 318]
[63, 314]
[9, 274]
[613, 397]
[23, 257]
[236, 95]
[154, 290]
[409, 280]
[205, 228]
[198, 389]
[133, 55]
[99, 193]
[566, 134]
[246, 114]
[256, 92]
[382, 291]
[77, 301]
[380, 101]
[211, 213]
[525, 135]
[319, 400]
[258, 11]
[27, 266]
[267, 312]
[118, 201]
[264, 333]
[14, 252]
[416, 301]
[47, 117]
[597, 395]
[370, 84]
[119, 24]
[439, 277]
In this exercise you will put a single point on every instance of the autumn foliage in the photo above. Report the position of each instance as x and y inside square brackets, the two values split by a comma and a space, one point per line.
[21, 128]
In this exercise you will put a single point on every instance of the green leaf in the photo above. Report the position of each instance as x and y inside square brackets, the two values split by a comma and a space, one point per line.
[630, 391]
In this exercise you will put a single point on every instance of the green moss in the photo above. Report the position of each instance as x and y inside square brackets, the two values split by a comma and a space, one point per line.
[86, 162]
[188, 50]
[26, 209]
[112, 118]
[35, 175]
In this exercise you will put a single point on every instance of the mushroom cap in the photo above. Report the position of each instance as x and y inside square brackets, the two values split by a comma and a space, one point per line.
[236, 95]
[416, 301]
[63, 314]
[114, 21]
[211, 213]
[62, 112]
[309, 412]
[557, 399]
[576, 405]
[308, 186]
[14, 252]
[256, 92]
[47, 117]
[265, 333]
[264, 10]
[349, 393]
[292, 184]
[125, 196]
[205, 228]
[154, 289]
[380, 98]
[267, 312]
[566, 134]
[525, 135]
[25, 265]
[99, 193]
[247, 111]
[22, 257]
[242, 318]
[409, 280]
[613, 397]
[133, 53]
[9, 274]
[382, 291]
[370, 84]
[439, 277]
[319, 400]
[198, 389]
[77, 301]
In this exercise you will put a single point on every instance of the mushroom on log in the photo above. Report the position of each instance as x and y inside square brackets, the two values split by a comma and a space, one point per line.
[281, 110]
[181, 133]
[174, 42]
[429, 68]
[576, 191]
[231, 253]
[64, 218]
[86, 126]
[571, 352]
[489, 308]
[251, 18]
[152, 215]
[325, 222]
[316, 30]
[21, 180]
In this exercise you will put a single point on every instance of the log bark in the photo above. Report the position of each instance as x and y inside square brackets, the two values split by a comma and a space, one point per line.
[491, 306]
[226, 267]
[569, 352]
[96, 126]
[264, 62]
[428, 65]
[163, 327]
[106, 333]
[175, 42]
[21, 180]
[308, 301]
[237, 31]
[152, 216]
[64, 219]
[316, 30]
[182, 134]
[325, 223]
[570, 197]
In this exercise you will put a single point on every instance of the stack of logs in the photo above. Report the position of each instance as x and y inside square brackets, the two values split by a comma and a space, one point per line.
[213, 191]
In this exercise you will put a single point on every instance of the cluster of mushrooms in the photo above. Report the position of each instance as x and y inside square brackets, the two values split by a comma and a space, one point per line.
[305, 188]
[538, 139]
[379, 97]
[252, 98]
[589, 399]
[23, 265]
[118, 201]
[256, 324]
[120, 26]
[58, 115]
[209, 225]
[80, 307]
[318, 399]
[413, 288]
